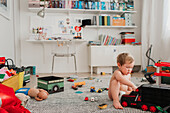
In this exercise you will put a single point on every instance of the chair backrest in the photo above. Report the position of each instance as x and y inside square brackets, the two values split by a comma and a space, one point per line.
[64, 47]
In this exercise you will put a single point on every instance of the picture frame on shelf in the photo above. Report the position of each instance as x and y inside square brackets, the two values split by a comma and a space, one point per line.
[5, 9]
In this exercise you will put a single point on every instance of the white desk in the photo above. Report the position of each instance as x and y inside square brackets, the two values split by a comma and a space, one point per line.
[66, 41]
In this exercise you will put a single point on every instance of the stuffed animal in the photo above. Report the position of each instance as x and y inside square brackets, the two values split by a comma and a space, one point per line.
[24, 98]
[38, 94]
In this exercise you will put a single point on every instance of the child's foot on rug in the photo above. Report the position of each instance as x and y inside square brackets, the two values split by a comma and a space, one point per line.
[117, 105]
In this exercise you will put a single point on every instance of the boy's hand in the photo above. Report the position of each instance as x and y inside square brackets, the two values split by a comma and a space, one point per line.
[134, 88]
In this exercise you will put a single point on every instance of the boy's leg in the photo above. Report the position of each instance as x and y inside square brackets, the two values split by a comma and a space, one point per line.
[114, 93]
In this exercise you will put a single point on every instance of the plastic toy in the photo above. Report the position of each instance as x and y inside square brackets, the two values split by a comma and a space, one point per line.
[99, 90]
[24, 98]
[92, 89]
[102, 106]
[70, 80]
[102, 73]
[78, 92]
[2, 77]
[9, 102]
[79, 83]
[148, 97]
[160, 72]
[86, 99]
[92, 99]
[74, 87]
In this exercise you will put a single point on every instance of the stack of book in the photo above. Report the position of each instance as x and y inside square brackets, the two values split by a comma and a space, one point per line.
[127, 37]
[109, 40]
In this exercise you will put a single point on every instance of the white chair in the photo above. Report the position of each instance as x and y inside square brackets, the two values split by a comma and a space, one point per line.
[68, 54]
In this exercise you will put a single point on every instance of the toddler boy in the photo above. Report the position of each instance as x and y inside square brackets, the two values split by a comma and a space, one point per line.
[120, 81]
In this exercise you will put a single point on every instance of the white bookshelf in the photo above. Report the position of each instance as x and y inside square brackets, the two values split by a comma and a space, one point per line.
[88, 11]
[114, 27]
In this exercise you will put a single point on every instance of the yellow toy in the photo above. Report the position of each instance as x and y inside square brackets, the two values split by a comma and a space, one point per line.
[79, 83]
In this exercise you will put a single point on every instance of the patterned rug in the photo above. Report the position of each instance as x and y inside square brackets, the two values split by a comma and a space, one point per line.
[71, 102]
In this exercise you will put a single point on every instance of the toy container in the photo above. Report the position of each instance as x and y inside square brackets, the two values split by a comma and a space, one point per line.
[15, 82]
[51, 84]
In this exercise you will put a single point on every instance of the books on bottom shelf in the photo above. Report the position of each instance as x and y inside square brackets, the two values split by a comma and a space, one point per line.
[109, 40]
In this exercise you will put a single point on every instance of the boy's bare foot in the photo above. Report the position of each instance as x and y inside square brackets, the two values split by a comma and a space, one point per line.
[117, 104]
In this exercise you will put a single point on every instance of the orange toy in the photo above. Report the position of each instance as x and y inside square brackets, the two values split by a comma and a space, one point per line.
[79, 83]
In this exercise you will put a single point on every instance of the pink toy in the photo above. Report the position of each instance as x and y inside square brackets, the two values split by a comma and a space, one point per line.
[5, 71]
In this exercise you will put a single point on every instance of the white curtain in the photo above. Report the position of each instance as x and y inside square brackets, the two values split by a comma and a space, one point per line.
[165, 42]
[151, 29]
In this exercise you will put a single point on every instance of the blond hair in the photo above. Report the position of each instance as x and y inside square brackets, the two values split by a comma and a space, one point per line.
[123, 57]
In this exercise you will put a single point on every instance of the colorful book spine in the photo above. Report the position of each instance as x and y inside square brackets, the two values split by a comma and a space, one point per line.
[100, 20]
[108, 20]
[105, 20]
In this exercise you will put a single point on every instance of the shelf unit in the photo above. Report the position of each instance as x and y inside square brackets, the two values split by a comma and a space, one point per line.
[108, 27]
[105, 56]
[98, 55]
[90, 11]
[44, 41]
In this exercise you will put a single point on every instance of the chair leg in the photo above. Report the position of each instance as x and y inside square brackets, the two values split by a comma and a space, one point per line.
[75, 64]
[53, 64]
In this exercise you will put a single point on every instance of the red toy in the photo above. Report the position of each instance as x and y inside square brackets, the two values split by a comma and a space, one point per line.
[9, 102]
[86, 99]
[74, 87]
[2, 60]
[70, 80]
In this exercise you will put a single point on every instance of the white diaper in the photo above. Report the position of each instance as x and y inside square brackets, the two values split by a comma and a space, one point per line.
[121, 93]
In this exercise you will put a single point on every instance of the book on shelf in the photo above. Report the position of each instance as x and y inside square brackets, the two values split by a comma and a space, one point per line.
[109, 40]
[127, 37]
[103, 20]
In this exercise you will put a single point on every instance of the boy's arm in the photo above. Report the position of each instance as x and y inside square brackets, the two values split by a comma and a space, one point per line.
[124, 80]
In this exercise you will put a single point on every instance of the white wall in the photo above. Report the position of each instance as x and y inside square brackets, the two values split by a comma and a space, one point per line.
[41, 57]
[7, 36]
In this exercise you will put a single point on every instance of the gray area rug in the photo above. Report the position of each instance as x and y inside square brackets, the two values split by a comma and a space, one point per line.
[71, 102]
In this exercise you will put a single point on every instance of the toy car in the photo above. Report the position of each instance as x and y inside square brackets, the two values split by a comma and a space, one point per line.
[102, 106]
